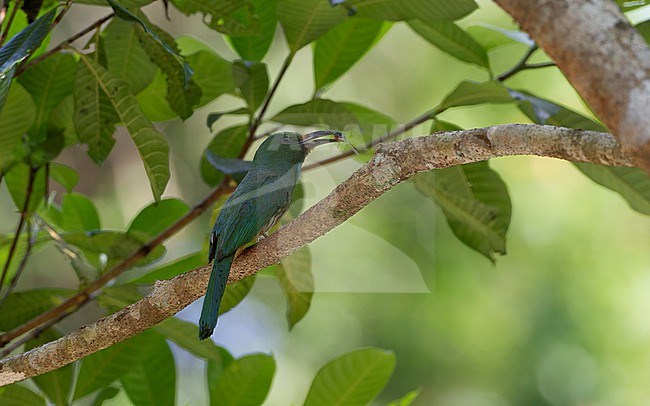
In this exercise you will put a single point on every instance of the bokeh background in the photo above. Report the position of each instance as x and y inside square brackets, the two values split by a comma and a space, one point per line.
[562, 319]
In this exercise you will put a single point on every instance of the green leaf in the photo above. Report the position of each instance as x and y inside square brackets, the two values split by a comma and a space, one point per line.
[441, 125]
[227, 144]
[184, 335]
[450, 38]
[222, 14]
[94, 115]
[352, 379]
[475, 202]
[172, 269]
[490, 36]
[627, 5]
[297, 282]
[213, 117]
[305, 21]
[644, 29]
[542, 111]
[125, 57]
[151, 380]
[318, 112]
[28, 304]
[104, 395]
[79, 213]
[55, 384]
[64, 175]
[371, 126]
[339, 49]
[254, 47]
[114, 244]
[427, 10]
[235, 293]
[156, 34]
[469, 93]
[632, 184]
[17, 180]
[104, 367]
[115, 298]
[155, 218]
[183, 94]
[407, 399]
[153, 99]
[252, 82]
[15, 119]
[125, 3]
[20, 47]
[48, 82]
[235, 167]
[212, 74]
[62, 120]
[19, 395]
[244, 382]
[151, 145]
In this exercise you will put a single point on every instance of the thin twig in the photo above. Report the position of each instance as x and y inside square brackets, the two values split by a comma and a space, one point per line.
[31, 335]
[371, 144]
[265, 105]
[64, 43]
[21, 222]
[21, 267]
[59, 17]
[10, 21]
[84, 295]
[519, 66]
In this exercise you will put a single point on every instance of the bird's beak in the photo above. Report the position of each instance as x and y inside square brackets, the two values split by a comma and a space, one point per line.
[312, 140]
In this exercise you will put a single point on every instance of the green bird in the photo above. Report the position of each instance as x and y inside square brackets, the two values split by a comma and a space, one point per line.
[259, 201]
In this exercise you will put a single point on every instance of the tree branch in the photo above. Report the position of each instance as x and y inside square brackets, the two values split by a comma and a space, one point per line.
[602, 56]
[84, 295]
[392, 164]
[64, 44]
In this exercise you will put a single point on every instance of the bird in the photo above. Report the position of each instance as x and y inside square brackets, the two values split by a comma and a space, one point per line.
[258, 202]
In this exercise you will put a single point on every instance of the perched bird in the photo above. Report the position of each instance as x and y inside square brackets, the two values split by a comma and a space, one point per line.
[259, 201]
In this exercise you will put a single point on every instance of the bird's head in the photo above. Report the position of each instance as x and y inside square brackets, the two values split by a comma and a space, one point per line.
[294, 147]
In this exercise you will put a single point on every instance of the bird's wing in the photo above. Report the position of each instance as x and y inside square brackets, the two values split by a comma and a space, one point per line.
[248, 213]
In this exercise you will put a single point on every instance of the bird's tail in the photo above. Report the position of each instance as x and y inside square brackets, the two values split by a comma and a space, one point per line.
[212, 301]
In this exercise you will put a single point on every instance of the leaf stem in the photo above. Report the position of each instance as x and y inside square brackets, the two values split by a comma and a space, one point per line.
[64, 43]
[21, 222]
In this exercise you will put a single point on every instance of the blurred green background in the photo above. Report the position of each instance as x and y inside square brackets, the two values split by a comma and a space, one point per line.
[562, 319]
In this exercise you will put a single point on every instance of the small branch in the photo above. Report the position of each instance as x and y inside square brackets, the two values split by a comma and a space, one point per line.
[29, 336]
[10, 21]
[21, 222]
[84, 295]
[64, 43]
[59, 17]
[392, 164]
[604, 58]
[371, 144]
[519, 66]
[265, 105]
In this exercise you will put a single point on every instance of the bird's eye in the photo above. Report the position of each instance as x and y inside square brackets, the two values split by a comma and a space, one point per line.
[286, 140]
